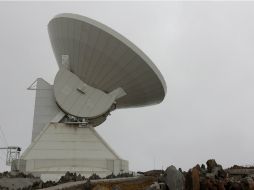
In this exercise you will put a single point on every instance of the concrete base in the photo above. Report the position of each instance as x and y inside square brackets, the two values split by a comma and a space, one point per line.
[63, 147]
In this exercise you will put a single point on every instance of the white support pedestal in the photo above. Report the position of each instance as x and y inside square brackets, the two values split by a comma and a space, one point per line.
[62, 147]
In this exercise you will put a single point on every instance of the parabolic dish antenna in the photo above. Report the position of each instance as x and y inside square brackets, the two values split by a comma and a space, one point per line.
[100, 70]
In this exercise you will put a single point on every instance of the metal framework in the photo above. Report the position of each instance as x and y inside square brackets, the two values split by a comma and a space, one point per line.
[13, 153]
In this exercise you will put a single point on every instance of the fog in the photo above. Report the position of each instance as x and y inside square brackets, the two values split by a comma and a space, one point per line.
[204, 50]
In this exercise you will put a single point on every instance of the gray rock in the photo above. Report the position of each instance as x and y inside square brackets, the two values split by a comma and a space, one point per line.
[79, 177]
[174, 178]
[211, 164]
[248, 183]
[216, 170]
[210, 175]
[154, 186]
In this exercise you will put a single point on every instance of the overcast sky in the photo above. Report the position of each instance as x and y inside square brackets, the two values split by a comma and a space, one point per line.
[205, 52]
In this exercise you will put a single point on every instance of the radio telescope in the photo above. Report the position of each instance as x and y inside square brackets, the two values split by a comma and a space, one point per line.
[99, 71]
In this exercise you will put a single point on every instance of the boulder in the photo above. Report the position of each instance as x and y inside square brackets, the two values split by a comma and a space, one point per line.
[235, 186]
[154, 186]
[203, 167]
[211, 164]
[126, 174]
[222, 174]
[248, 183]
[188, 180]
[210, 184]
[49, 184]
[173, 178]
[79, 178]
[94, 177]
[203, 184]
[210, 175]
[110, 176]
[195, 178]
[221, 185]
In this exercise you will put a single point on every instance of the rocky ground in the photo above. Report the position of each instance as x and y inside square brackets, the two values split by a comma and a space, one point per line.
[209, 177]
[16, 180]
